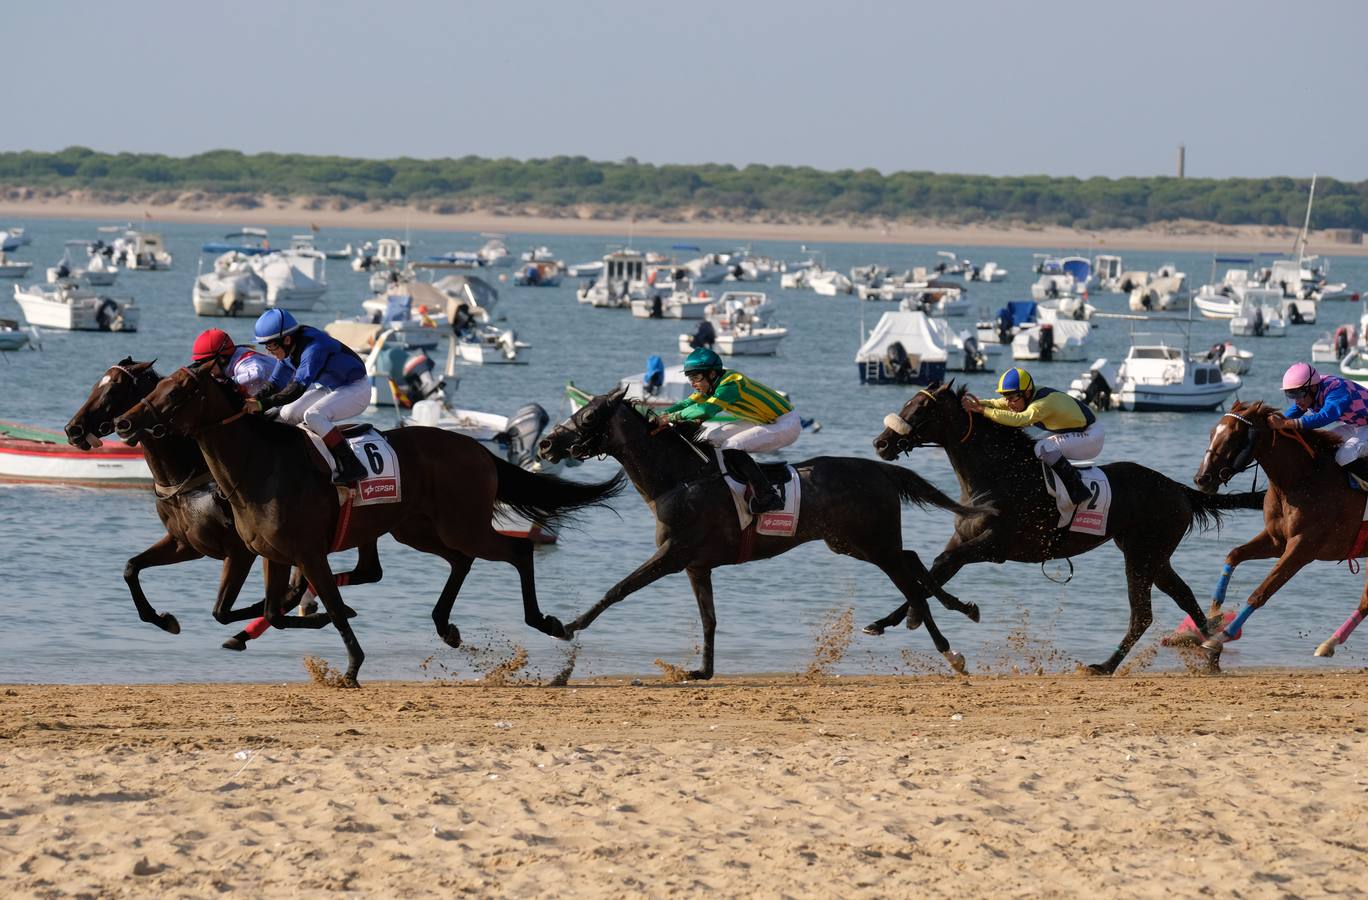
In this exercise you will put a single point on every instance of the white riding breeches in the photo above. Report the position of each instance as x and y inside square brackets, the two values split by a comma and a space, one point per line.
[1072, 445]
[320, 408]
[752, 436]
[1355, 443]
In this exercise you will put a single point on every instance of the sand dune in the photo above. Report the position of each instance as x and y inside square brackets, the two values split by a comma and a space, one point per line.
[1143, 786]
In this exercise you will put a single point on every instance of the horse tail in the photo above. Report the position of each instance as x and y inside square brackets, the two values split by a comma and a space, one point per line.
[1210, 509]
[912, 488]
[545, 499]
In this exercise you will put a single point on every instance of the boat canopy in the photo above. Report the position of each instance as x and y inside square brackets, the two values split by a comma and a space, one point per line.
[1021, 312]
[1078, 267]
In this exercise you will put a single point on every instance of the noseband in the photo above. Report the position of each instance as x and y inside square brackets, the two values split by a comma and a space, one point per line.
[1244, 458]
[900, 426]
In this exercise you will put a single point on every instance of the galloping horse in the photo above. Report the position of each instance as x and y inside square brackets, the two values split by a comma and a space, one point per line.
[852, 504]
[1310, 512]
[1149, 513]
[286, 509]
[198, 522]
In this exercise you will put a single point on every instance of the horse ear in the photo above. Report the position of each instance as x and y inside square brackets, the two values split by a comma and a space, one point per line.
[126, 361]
[616, 394]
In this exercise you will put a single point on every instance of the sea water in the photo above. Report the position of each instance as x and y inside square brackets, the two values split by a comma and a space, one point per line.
[66, 616]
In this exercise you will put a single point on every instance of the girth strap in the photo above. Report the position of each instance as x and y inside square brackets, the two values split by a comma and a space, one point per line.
[166, 492]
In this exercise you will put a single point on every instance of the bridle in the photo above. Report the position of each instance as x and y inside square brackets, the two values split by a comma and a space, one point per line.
[1244, 459]
[898, 425]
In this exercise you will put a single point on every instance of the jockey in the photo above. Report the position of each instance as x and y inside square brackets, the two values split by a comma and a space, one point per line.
[740, 416]
[250, 370]
[1074, 432]
[326, 384]
[1328, 400]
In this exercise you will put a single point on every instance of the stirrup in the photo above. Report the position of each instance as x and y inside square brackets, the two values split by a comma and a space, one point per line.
[763, 503]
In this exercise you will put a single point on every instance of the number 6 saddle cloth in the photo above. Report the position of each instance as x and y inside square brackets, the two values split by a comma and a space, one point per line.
[381, 484]
[1091, 517]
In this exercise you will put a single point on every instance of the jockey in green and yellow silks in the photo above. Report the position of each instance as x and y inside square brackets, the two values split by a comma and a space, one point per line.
[1073, 431]
[739, 416]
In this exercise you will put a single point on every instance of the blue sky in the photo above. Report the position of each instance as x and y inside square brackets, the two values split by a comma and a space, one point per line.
[1062, 88]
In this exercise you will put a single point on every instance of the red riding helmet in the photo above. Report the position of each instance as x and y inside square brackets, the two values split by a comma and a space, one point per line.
[212, 343]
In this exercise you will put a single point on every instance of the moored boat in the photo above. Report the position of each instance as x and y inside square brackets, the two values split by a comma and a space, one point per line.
[37, 455]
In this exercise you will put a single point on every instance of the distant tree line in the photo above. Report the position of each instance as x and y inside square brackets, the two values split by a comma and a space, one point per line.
[564, 182]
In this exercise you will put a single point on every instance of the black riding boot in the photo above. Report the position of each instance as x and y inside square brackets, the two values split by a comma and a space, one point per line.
[1072, 481]
[764, 498]
[1358, 467]
[349, 468]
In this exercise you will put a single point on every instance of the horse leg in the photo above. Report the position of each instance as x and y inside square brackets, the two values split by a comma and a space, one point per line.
[366, 571]
[935, 589]
[320, 576]
[1296, 556]
[441, 613]
[517, 552]
[164, 552]
[236, 566]
[1262, 546]
[1342, 633]
[911, 587]
[1167, 580]
[954, 557]
[701, 579]
[661, 563]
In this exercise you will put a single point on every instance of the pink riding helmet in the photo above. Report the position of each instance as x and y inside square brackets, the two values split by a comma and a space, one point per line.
[1300, 375]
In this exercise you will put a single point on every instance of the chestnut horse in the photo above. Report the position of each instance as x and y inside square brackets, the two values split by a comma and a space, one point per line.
[1310, 512]
[198, 521]
[287, 510]
[1149, 514]
[854, 505]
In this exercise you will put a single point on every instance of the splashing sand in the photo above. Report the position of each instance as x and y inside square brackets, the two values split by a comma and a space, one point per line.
[672, 673]
[833, 639]
[322, 672]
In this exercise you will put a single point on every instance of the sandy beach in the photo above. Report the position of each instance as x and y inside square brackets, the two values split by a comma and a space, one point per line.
[1197, 237]
[1249, 784]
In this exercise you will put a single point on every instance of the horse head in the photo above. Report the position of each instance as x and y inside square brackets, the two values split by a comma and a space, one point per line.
[1236, 441]
[185, 402]
[582, 435]
[932, 416]
[122, 385]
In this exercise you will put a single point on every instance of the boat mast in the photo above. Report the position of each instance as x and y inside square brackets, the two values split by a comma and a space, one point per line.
[1301, 238]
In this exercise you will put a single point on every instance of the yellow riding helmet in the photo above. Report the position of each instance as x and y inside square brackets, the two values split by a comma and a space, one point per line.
[1016, 381]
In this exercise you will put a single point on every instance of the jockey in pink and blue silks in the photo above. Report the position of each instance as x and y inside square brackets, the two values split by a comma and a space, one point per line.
[1332, 402]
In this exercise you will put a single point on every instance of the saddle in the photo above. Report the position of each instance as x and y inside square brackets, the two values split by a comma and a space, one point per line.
[777, 474]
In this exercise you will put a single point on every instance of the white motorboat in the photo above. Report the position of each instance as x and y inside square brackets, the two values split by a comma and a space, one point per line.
[951, 264]
[678, 305]
[585, 270]
[910, 347]
[1063, 340]
[490, 346]
[67, 306]
[1163, 291]
[1157, 375]
[744, 338]
[295, 279]
[709, 269]
[382, 255]
[1259, 314]
[1354, 365]
[99, 269]
[937, 301]
[13, 238]
[1107, 269]
[623, 280]
[229, 288]
[141, 250]
[828, 283]
[13, 268]
[13, 336]
[542, 254]
[538, 274]
[494, 254]
[1058, 277]
[1331, 347]
[989, 272]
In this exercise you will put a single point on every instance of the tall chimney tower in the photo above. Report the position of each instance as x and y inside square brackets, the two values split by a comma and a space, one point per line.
[1182, 154]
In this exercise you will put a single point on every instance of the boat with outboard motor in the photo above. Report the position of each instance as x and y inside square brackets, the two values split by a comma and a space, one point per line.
[67, 306]
[1158, 375]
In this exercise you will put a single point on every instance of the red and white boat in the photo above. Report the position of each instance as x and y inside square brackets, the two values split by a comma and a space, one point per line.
[37, 455]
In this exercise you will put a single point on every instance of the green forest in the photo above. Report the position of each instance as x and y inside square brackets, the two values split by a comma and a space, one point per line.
[563, 182]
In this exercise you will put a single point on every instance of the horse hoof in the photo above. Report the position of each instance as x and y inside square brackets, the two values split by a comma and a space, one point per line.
[972, 612]
[348, 611]
[1212, 645]
[169, 624]
[451, 635]
[1096, 669]
[309, 607]
[874, 629]
[552, 627]
[913, 621]
[234, 644]
[349, 681]
[699, 675]
[1326, 649]
[956, 660]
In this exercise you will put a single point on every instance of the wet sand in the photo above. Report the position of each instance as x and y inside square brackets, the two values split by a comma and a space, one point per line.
[1150, 785]
[1195, 237]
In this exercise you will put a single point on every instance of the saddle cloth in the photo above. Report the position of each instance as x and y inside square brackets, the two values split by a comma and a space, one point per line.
[1361, 539]
[780, 523]
[381, 484]
[1091, 517]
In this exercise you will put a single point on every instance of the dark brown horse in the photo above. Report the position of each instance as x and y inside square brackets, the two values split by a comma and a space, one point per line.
[1310, 512]
[854, 505]
[1149, 513]
[198, 521]
[287, 510]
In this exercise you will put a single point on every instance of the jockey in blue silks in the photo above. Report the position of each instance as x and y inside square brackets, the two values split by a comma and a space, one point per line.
[326, 384]
[1332, 402]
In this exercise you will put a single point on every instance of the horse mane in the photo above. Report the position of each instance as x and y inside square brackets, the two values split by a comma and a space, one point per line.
[689, 429]
[1322, 441]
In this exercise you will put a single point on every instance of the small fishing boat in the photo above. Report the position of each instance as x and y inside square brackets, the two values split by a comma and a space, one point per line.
[71, 307]
[13, 268]
[37, 455]
[1157, 375]
[678, 305]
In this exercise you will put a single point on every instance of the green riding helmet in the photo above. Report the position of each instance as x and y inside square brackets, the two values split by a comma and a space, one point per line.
[703, 360]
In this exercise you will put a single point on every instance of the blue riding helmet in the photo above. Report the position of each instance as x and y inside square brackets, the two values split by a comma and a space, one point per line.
[1016, 381]
[274, 324]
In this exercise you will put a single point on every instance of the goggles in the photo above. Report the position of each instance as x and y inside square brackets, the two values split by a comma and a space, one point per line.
[1298, 393]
